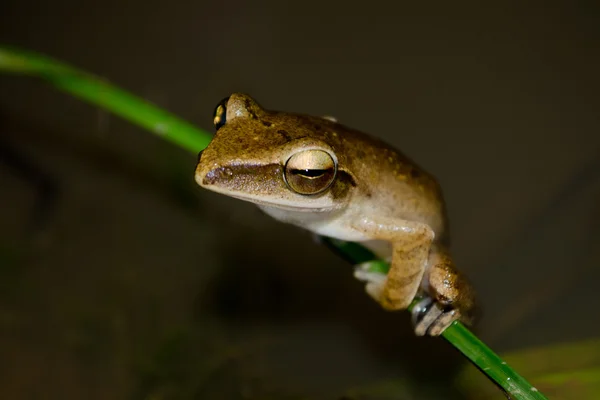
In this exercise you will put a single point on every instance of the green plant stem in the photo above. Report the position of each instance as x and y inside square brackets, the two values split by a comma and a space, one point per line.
[97, 91]
[134, 109]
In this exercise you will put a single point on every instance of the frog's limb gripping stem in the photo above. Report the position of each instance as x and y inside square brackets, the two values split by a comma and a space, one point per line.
[375, 280]
[428, 316]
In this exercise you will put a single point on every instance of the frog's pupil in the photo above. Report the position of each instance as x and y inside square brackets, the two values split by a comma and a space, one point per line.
[309, 173]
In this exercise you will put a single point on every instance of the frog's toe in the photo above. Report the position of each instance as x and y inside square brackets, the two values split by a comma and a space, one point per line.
[375, 280]
[430, 318]
[363, 273]
[443, 321]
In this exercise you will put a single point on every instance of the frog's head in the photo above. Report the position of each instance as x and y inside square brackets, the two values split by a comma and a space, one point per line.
[273, 158]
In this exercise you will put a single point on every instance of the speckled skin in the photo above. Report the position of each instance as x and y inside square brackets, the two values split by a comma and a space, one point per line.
[378, 195]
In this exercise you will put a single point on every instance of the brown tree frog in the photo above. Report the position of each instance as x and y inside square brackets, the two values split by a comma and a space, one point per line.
[335, 181]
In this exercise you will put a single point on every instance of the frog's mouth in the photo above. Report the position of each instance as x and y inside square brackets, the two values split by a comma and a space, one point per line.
[261, 184]
[281, 203]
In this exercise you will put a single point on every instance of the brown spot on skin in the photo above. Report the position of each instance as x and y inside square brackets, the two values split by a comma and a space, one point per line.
[397, 287]
[248, 105]
[401, 282]
[342, 184]
[317, 127]
[266, 123]
[284, 134]
[348, 177]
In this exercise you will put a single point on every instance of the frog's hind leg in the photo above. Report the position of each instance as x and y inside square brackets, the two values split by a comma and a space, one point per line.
[451, 296]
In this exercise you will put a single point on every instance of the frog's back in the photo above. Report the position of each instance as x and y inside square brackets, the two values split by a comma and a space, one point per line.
[393, 184]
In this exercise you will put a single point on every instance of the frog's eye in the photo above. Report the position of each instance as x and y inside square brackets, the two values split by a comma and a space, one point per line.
[310, 171]
[220, 114]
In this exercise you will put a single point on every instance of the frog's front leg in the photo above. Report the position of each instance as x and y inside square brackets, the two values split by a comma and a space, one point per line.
[411, 243]
[417, 262]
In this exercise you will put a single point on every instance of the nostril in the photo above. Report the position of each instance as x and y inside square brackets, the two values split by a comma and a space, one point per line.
[217, 174]
[200, 155]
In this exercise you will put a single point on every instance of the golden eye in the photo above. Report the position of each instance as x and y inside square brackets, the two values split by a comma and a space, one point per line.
[310, 171]
[220, 114]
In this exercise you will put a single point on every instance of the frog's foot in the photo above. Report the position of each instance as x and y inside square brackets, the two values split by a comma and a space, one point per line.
[431, 318]
[367, 272]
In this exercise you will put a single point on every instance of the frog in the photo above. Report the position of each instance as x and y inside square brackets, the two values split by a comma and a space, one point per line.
[334, 181]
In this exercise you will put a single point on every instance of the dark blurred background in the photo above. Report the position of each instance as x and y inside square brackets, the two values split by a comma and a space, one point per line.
[121, 279]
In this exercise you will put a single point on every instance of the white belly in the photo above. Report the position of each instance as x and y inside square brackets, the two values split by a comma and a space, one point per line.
[327, 223]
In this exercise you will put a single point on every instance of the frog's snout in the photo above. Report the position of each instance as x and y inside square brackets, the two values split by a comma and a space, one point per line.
[201, 170]
[215, 175]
